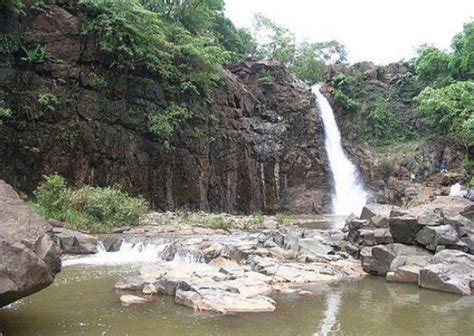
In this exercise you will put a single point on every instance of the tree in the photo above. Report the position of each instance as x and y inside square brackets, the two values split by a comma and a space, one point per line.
[450, 109]
[432, 66]
[239, 42]
[311, 59]
[462, 62]
[276, 42]
[308, 64]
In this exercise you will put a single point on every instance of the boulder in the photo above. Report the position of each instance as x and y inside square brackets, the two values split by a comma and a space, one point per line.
[375, 237]
[29, 259]
[112, 242]
[432, 236]
[377, 260]
[406, 268]
[224, 302]
[313, 247]
[404, 229]
[450, 271]
[371, 210]
[74, 242]
[132, 299]
[134, 283]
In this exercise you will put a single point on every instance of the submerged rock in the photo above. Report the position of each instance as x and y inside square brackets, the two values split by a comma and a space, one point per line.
[29, 259]
[132, 299]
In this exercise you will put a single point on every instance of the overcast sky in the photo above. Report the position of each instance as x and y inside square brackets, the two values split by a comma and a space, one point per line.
[382, 31]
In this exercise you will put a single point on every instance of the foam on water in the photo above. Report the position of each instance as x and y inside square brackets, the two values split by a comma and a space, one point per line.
[129, 253]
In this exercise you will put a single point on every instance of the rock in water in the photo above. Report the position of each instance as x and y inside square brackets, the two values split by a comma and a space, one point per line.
[131, 299]
[29, 259]
[450, 271]
[75, 242]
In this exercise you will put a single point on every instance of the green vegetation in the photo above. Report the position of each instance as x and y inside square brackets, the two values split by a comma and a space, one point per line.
[446, 104]
[48, 101]
[219, 223]
[434, 96]
[284, 218]
[307, 60]
[12, 5]
[36, 55]
[449, 110]
[93, 209]
[164, 123]
[97, 81]
[5, 112]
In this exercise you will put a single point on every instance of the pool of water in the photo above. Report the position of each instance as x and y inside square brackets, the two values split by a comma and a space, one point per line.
[82, 301]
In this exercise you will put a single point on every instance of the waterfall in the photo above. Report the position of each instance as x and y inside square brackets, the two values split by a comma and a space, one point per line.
[350, 195]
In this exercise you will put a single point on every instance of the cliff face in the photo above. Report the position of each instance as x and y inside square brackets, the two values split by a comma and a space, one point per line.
[386, 118]
[257, 146]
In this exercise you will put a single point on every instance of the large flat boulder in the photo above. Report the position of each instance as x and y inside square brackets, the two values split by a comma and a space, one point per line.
[224, 302]
[450, 271]
[29, 259]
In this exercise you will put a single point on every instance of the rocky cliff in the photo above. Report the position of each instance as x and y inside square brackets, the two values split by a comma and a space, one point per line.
[258, 146]
[383, 134]
[29, 259]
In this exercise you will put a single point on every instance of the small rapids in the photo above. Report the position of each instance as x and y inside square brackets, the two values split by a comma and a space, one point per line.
[129, 253]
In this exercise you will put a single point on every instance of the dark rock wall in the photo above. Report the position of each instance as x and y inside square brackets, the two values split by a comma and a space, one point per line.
[265, 152]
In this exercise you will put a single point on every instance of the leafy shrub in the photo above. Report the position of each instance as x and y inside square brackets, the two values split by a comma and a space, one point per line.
[97, 81]
[266, 78]
[91, 208]
[284, 218]
[163, 124]
[9, 45]
[54, 196]
[387, 167]
[219, 223]
[37, 55]
[450, 109]
[5, 112]
[15, 6]
[347, 102]
[48, 101]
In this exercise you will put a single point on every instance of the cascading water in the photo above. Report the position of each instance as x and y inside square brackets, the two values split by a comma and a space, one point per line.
[350, 195]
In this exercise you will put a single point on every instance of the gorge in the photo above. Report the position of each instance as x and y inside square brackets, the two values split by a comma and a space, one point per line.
[164, 171]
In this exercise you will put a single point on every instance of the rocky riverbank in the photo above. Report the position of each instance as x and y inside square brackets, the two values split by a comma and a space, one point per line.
[431, 245]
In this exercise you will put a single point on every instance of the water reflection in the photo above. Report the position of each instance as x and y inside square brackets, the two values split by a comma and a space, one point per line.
[333, 304]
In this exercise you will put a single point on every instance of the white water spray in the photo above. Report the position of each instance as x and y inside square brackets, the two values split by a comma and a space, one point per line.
[456, 190]
[129, 253]
[350, 195]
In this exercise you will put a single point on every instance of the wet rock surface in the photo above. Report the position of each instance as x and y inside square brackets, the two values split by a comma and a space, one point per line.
[29, 259]
[430, 244]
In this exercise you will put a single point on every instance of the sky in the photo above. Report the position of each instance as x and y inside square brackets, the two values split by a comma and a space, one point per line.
[381, 31]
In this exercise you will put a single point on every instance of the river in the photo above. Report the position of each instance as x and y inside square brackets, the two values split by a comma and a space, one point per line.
[82, 301]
